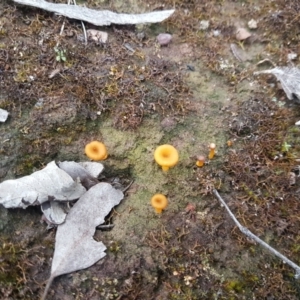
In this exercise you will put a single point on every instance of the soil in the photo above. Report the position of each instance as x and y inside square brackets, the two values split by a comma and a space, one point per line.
[61, 94]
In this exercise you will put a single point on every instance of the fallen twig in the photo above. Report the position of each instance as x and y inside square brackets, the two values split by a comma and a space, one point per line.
[96, 17]
[235, 52]
[266, 60]
[62, 27]
[83, 28]
[249, 234]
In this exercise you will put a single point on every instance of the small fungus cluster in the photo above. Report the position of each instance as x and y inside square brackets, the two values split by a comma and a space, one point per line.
[200, 162]
[165, 155]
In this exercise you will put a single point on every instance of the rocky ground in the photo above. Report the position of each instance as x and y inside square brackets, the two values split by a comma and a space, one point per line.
[133, 95]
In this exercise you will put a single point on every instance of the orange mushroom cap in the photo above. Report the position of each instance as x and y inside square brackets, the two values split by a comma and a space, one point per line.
[159, 202]
[96, 150]
[166, 156]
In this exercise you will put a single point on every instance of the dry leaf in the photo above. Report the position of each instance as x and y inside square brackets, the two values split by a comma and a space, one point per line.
[94, 168]
[54, 212]
[48, 184]
[75, 248]
[86, 173]
[78, 171]
[289, 78]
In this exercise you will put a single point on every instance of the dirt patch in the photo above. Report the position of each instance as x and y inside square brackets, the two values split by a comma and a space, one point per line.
[189, 94]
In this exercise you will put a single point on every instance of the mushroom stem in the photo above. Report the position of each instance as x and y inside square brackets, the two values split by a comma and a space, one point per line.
[158, 210]
[212, 148]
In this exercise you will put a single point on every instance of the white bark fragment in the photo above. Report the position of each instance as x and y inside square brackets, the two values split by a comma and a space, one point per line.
[3, 115]
[96, 17]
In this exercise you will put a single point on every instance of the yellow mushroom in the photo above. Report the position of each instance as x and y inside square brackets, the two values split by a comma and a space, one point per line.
[159, 202]
[212, 148]
[96, 150]
[166, 156]
[200, 161]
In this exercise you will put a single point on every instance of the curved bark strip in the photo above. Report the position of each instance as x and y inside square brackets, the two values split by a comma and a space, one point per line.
[97, 17]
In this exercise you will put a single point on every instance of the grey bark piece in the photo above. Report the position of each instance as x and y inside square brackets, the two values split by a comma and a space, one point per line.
[47, 184]
[99, 18]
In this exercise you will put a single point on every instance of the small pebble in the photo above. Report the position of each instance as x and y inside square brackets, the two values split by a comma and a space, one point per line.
[164, 39]
[190, 68]
[242, 34]
[141, 35]
[252, 24]
[204, 24]
[292, 56]
[97, 36]
[3, 115]
[216, 32]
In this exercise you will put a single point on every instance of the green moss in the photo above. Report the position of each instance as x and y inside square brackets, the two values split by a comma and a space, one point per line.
[114, 247]
[234, 285]
[27, 164]
[12, 265]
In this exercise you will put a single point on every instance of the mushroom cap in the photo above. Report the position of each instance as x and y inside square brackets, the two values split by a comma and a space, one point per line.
[96, 150]
[159, 202]
[200, 161]
[166, 156]
[212, 146]
[201, 158]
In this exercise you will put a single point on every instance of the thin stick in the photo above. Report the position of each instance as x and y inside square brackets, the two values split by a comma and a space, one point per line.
[127, 187]
[266, 60]
[82, 24]
[234, 50]
[50, 280]
[83, 28]
[62, 26]
[249, 234]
